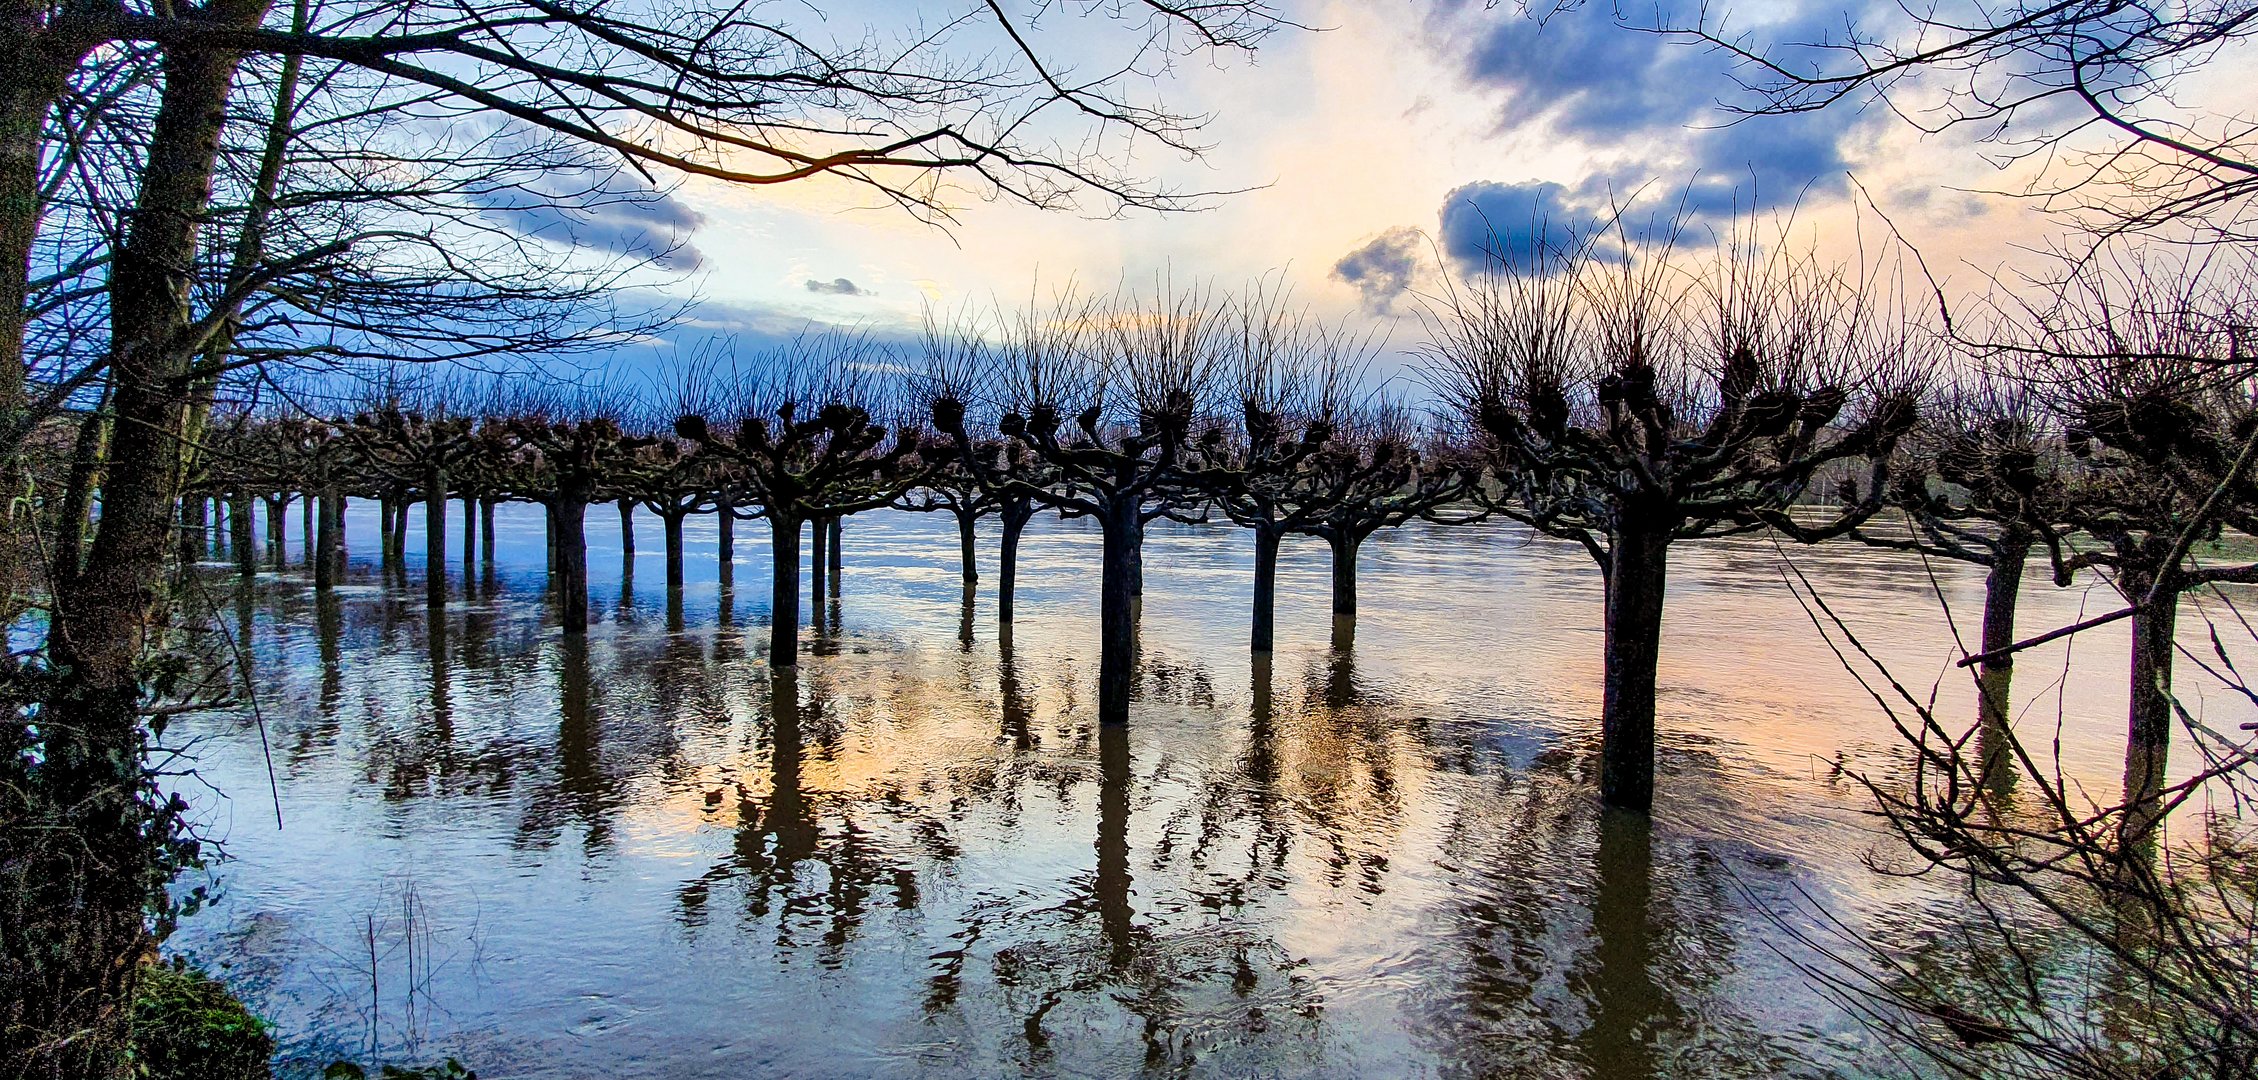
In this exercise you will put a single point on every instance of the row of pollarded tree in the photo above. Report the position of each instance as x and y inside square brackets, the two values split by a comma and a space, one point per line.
[1623, 404]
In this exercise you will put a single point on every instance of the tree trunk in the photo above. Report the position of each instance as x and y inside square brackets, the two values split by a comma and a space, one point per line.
[435, 538]
[278, 507]
[239, 533]
[819, 534]
[1344, 545]
[567, 518]
[385, 509]
[2003, 586]
[627, 531]
[400, 538]
[1117, 620]
[78, 498]
[967, 568]
[486, 531]
[784, 591]
[674, 574]
[1015, 518]
[2148, 734]
[80, 931]
[1265, 587]
[838, 528]
[1635, 578]
[323, 550]
[470, 536]
[306, 503]
[725, 541]
[1116, 914]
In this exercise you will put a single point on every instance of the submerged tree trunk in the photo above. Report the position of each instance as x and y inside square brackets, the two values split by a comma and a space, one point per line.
[1344, 545]
[784, 591]
[239, 533]
[2003, 585]
[725, 542]
[819, 534]
[838, 528]
[277, 544]
[1117, 619]
[968, 570]
[306, 503]
[2148, 733]
[674, 570]
[1637, 570]
[1015, 518]
[567, 530]
[486, 531]
[1265, 587]
[435, 538]
[470, 536]
[322, 549]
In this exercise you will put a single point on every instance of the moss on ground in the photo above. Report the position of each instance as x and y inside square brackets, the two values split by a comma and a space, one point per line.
[188, 1026]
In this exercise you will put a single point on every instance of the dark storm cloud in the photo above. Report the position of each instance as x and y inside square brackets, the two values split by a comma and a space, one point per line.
[614, 211]
[836, 287]
[1384, 268]
[1616, 88]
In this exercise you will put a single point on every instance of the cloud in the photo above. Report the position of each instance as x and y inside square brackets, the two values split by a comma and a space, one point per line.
[611, 210]
[1487, 223]
[1594, 79]
[836, 287]
[1384, 268]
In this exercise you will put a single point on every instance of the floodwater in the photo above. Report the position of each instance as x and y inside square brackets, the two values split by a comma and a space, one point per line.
[643, 857]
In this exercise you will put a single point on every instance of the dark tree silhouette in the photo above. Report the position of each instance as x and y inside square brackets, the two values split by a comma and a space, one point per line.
[1628, 403]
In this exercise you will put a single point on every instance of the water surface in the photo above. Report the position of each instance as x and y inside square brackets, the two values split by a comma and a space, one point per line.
[642, 856]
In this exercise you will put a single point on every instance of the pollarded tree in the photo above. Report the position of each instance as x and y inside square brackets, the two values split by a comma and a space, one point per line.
[1289, 377]
[2146, 362]
[1983, 481]
[1629, 403]
[804, 436]
[1377, 471]
[422, 450]
[578, 453]
[1116, 391]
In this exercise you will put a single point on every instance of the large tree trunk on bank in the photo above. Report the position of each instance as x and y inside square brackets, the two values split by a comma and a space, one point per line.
[1117, 617]
[78, 497]
[1995, 677]
[2149, 720]
[1265, 587]
[76, 943]
[567, 529]
[194, 537]
[784, 591]
[1344, 546]
[435, 538]
[1636, 574]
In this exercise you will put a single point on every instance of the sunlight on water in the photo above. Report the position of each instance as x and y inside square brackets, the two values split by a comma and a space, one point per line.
[922, 856]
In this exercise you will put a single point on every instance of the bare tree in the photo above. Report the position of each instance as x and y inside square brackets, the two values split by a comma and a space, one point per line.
[1630, 402]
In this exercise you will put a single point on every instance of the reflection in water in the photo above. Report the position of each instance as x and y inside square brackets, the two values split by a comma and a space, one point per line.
[919, 854]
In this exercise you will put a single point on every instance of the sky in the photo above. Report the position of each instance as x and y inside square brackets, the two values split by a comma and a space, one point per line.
[1393, 142]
